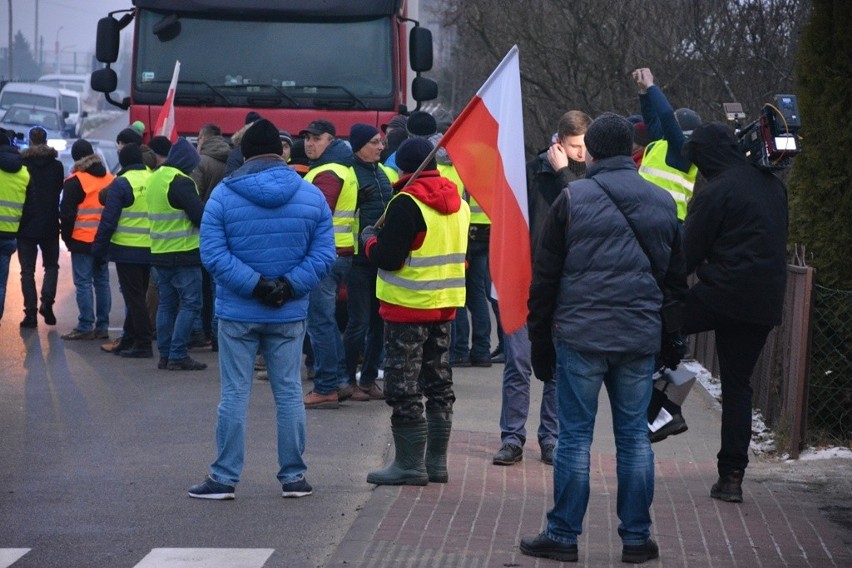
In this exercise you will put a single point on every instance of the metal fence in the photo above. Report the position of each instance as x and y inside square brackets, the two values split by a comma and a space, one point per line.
[780, 377]
[830, 379]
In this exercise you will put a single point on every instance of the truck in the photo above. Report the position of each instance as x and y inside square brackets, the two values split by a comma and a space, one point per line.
[291, 61]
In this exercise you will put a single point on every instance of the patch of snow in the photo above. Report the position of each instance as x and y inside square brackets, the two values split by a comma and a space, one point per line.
[825, 453]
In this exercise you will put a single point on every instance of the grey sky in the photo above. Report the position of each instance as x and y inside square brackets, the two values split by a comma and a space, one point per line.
[77, 18]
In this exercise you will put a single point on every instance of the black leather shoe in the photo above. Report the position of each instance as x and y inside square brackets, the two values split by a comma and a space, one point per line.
[640, 553]
[673, 428]
[186, 364]
[508, 454]
[729, 487]
[543, 547]
[137, 353]
[547, 453]
[46, 311]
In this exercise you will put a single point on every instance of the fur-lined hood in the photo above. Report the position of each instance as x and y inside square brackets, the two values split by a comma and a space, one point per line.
[39, 151]
[86, 163]
[237, 137]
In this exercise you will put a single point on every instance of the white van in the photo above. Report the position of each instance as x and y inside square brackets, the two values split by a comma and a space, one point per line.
[72, 103]
[30, 94]
[74, 82]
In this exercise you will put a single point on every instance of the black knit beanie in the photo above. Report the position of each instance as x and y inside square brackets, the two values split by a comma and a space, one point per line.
[160, 145]
[609, 135]
[129, 136]
[360, 134]
[130, 155]
[80, 149]
[261, 138]
[411, 154]
[421, 123]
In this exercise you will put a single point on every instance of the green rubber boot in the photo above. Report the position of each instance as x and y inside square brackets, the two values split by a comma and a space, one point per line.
[439, 425]
[407, 468]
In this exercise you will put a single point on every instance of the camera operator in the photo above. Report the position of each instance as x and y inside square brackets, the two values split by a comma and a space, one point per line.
[735, 241]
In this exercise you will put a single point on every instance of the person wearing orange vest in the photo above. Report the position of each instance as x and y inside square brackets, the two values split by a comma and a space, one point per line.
[419, 251]
[79, 215]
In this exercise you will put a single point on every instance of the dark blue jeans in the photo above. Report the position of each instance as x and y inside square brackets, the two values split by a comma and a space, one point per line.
[7, 249]
[94, 297]
[365, 328]
[326, 339]
[179, 288]
[478, 288]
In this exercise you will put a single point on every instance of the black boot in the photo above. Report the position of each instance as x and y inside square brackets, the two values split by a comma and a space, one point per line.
[439, 425]
[46, 310]
[408, 467]
[729, 487]
[29, 320]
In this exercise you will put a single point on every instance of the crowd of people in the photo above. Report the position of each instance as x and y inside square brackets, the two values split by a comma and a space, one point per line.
[251, 246]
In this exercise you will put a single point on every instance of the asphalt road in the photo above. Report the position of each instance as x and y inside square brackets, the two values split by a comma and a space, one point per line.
[98, 452]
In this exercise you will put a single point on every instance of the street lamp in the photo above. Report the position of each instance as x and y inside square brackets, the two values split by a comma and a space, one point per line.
[56, 50]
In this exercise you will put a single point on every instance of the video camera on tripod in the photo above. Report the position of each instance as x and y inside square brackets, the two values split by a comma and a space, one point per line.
[772, 140]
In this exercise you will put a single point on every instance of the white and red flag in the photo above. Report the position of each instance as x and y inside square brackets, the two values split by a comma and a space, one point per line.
[166, 121]
[486, 144]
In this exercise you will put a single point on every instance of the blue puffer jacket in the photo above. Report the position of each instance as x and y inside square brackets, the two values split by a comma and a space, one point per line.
[265, 220]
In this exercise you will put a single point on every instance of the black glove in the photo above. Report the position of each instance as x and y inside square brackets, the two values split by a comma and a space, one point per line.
[672, 350]
[272, 292]
[368, 233]
[543, 355]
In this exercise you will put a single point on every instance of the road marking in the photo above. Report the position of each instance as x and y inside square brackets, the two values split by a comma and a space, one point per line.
[206, 558]
[9, 556]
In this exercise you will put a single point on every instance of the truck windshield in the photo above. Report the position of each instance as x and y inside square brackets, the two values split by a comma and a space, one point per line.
[269, 63]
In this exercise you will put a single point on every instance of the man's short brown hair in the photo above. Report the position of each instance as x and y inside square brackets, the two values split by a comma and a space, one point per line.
[209, 130]
[37, 136]
[573, 123]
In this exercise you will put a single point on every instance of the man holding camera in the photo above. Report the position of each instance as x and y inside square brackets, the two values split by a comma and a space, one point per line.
[736, 243]
[267, 241]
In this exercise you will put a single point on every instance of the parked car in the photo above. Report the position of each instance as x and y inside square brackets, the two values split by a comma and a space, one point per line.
[21, 118]
[72, 104]
[106, 149]
[78, 82]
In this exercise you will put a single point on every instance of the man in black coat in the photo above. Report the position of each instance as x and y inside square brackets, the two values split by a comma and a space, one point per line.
[736, 243]
[39, 228]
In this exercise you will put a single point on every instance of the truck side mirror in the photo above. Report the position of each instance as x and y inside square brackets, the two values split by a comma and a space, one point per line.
[420, 49]
[104, 80]
[106, 46]
[423, 89]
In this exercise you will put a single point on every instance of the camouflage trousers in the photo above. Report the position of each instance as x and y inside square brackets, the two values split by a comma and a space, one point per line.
[417, 364]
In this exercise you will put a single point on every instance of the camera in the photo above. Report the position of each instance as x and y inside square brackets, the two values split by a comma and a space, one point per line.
[772, 140]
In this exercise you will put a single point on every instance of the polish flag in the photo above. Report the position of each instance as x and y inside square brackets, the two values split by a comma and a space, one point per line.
[486, 144]
[166, 121]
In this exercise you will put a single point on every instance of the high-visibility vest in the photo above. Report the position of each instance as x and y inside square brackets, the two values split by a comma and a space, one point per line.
[90, 209]
[13, 193]
[477, 215]
[171, 229]
[679, 184]
[343, 216]
[393, 175]
[432, 276]
[134, 228]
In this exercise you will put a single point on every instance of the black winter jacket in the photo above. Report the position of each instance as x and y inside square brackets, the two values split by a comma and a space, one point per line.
[374, 193]
[736, 231]
[593, 286]
[543, 187]
[40, 218]
[119, 195]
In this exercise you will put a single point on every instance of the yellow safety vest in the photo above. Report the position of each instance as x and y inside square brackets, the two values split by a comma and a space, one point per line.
[343, 216]
[477, 215]
[432, 276]
[393, 175]
[679, 184]
[171, 229]
[13, 193]
[134, 228]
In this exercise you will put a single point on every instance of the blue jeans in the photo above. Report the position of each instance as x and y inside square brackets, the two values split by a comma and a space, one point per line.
[281, 345]
[365, 328]
[179, 288]
[628, 380]
[516, 395]
[7, 249]
[326, 339]
[94, 311]
[477, 290]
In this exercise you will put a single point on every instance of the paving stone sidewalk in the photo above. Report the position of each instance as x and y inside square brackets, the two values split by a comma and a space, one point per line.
[477, 519]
